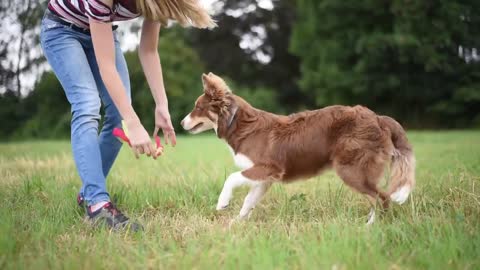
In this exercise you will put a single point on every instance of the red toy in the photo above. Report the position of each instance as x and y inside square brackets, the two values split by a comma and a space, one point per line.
[122, 136]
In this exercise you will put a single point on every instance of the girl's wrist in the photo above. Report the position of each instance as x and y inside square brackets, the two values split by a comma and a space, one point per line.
[161, 106]
[132, 121]
[161, 98]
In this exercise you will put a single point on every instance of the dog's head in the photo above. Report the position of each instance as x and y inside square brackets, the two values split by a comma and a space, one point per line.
[213, 108]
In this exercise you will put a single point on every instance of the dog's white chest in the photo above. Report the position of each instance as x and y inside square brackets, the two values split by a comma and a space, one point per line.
[241, 160]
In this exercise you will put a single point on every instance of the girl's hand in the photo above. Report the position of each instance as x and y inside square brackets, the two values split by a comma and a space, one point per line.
[163, 122]
[139, 139]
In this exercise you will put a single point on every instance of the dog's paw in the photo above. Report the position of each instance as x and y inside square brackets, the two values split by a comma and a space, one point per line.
[221, 207]
[371, 217]
[223, 202]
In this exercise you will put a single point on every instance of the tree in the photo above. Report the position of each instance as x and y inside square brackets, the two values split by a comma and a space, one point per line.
[20, 54]
[414, 60]
[47, 112]
[182, 69]
[251, 47]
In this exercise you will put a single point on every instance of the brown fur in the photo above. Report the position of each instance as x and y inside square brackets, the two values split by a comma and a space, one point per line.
[354, 141]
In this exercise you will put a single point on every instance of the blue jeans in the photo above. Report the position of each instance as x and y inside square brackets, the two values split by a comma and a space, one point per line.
[71, 56]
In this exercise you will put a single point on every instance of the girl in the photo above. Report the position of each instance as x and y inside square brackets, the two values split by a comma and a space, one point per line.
[80, 44]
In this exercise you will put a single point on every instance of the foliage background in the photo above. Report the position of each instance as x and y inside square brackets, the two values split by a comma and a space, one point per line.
[417, 61]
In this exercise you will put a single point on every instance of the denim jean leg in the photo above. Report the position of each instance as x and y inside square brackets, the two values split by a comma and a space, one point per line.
[64, 51]
[109, 144]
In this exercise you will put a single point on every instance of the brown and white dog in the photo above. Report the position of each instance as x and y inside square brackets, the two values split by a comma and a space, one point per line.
[269, 148]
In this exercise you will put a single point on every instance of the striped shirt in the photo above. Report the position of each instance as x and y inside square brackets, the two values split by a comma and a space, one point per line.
[79, 11]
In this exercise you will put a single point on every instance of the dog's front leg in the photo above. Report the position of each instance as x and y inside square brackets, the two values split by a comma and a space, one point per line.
[264, 176]
[253, 197]
[233, 181]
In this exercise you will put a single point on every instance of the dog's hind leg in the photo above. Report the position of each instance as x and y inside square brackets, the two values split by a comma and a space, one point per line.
[365, 183]
[373, 207]
[371, 216]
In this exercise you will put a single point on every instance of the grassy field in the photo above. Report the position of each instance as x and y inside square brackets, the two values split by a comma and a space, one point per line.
[315, 224]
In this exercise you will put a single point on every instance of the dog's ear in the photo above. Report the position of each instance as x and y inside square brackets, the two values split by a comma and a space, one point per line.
[205, 80]
[214, 86]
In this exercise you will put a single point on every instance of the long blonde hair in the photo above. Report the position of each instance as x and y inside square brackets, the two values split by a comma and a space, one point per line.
[185, 12]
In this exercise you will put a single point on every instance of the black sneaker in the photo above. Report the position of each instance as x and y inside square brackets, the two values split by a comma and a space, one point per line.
[112, 218]
[80, 200]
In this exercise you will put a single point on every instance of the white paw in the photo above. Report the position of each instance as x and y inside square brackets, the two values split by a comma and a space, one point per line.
[223, 201]
[221, 207]
[371, 217]
[401, 195]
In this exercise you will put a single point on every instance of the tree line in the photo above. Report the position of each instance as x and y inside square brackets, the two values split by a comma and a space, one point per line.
[417, 61]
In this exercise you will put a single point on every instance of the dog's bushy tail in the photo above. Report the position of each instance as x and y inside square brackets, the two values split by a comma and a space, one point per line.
[402, 180]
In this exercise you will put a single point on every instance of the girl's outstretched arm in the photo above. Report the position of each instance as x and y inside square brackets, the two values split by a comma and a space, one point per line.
[150, 59]
[104, 47]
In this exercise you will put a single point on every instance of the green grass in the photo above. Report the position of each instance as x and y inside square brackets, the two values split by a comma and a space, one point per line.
[315, 224]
